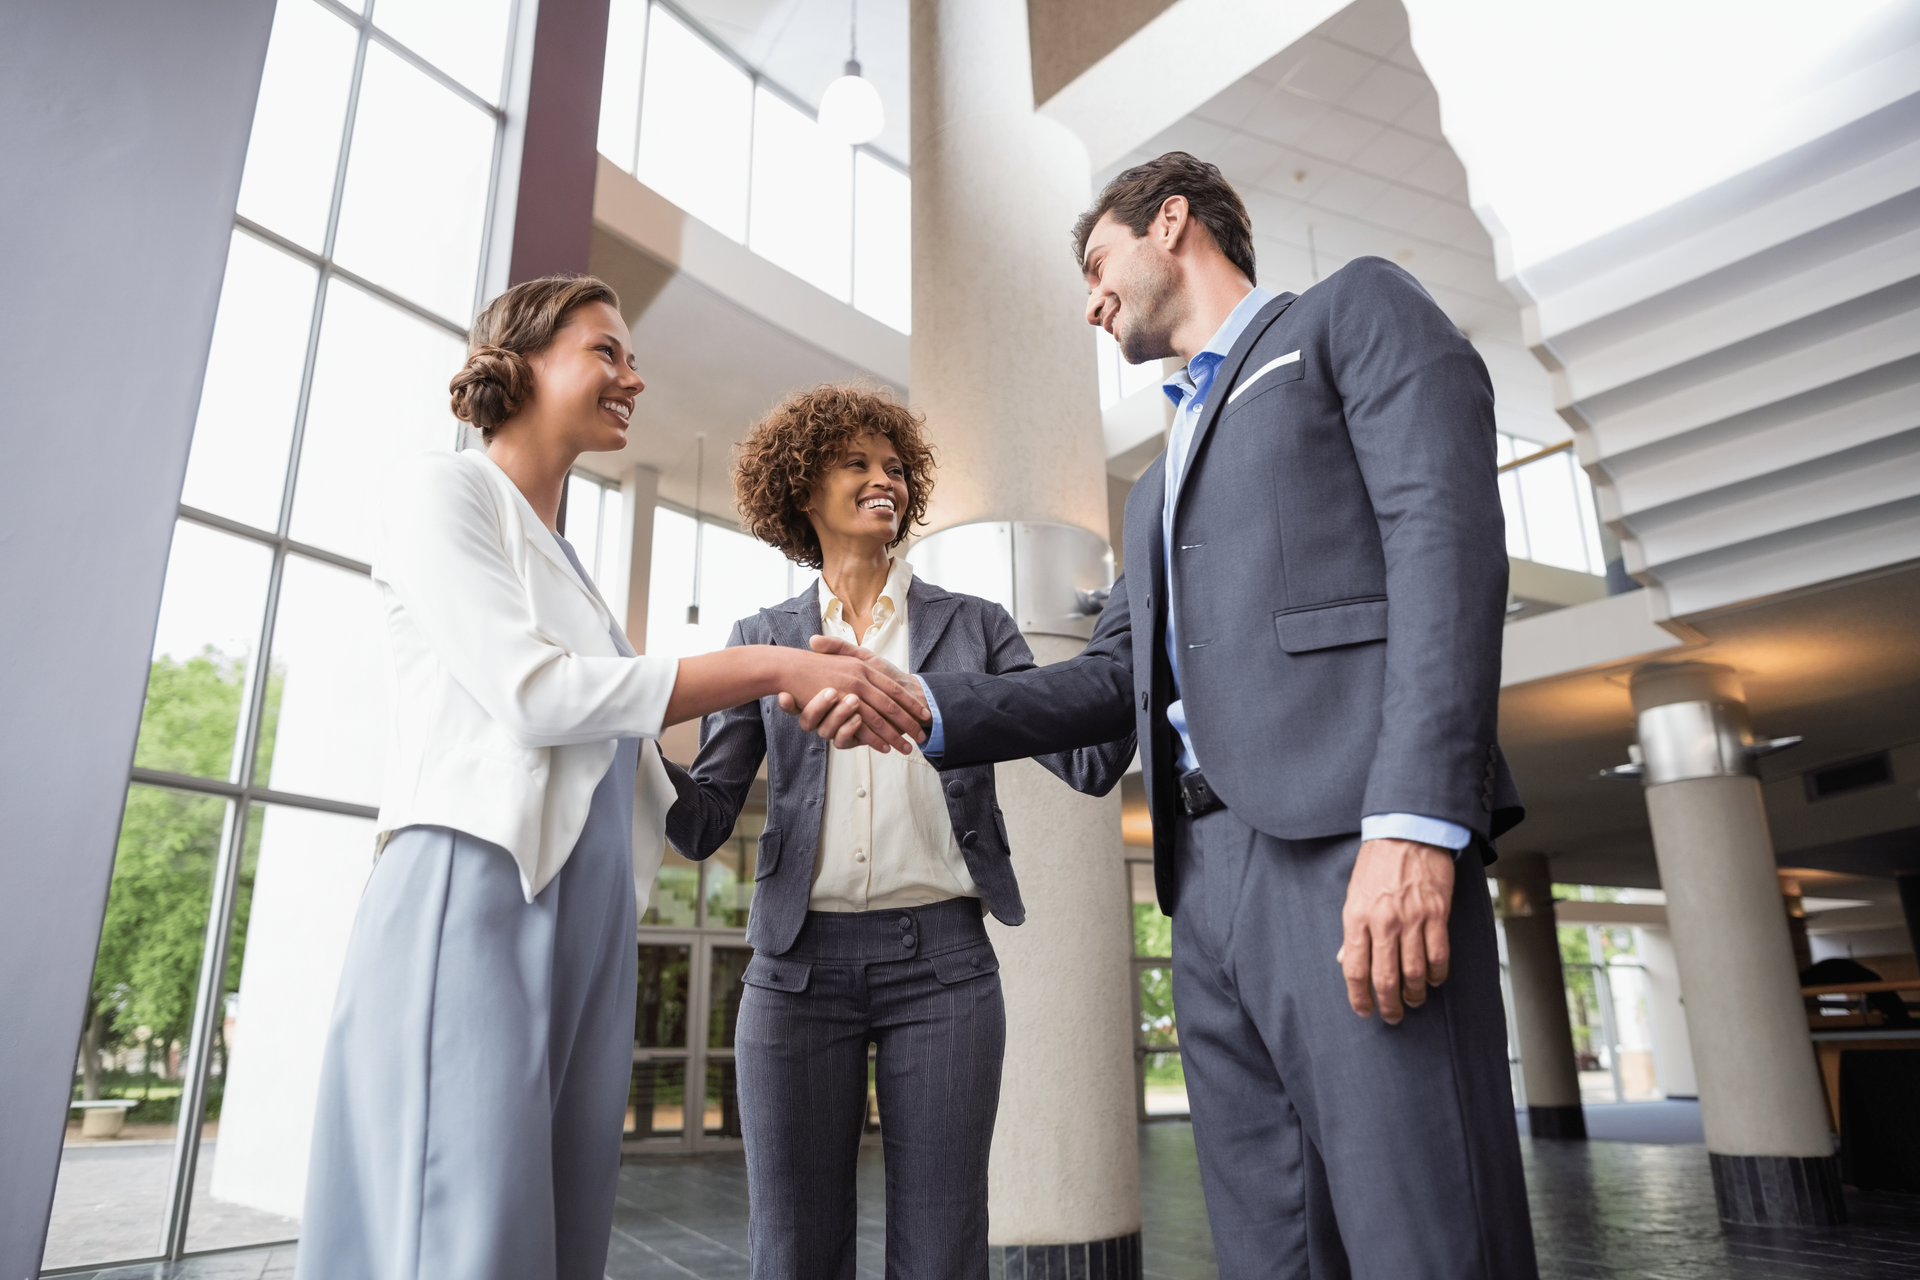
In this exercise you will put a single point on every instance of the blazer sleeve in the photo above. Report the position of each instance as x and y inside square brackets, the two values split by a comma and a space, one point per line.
[1093, 770]
[712, 792]
[1419, 411]
[440, 550]
[1086, 701]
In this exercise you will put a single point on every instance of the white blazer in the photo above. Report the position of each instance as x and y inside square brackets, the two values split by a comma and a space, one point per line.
[509, 689]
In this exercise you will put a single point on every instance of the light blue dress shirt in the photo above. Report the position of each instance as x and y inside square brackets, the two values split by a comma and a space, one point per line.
[1188, 388]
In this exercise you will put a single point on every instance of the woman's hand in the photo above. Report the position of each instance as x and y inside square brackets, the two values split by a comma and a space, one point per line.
[854, 698]
[873, 704]
[838, 719]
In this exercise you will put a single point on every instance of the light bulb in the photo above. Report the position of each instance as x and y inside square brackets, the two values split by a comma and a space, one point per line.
[850, 109]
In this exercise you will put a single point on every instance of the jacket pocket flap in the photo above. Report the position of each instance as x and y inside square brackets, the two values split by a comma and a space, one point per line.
[776, 973]
[970, 962]
[1349, 622]
[767, 860]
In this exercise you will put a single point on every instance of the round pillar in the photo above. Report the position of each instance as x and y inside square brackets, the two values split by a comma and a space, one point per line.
[1544, 1033]
[1760, 1095]
[1004, 368]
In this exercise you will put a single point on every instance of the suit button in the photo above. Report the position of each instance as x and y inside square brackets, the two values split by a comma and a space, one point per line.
[906, 940]
[1149, 602]
[1143, 700]
[970, 839]
[956, 789]
[977, 962]
[906, 923]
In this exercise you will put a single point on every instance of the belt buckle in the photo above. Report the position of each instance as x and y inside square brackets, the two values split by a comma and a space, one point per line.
[1196, 797]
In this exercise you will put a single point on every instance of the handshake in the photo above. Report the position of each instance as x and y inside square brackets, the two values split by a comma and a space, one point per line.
[852, 698]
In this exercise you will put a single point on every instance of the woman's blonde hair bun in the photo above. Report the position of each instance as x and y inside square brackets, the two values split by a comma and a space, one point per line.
[497, 381]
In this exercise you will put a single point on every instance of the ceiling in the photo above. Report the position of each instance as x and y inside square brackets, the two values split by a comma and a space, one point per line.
[802, 46]
[1336, 147]
[688, 341]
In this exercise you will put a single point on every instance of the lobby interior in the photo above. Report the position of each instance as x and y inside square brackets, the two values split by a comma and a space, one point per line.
[1684, 239]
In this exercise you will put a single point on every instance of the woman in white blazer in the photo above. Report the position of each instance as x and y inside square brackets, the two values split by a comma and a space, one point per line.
[475, 1076]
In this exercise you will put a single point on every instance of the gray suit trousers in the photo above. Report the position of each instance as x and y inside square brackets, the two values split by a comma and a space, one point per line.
[922, 985]
[1330, 1145]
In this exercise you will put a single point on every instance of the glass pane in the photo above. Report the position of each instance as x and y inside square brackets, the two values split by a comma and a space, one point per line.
[620, 81]
[379, 395]
[467, 39]
[114, 1167]
[583, 523]
[1157, 1027]
[676, 893]
[1553, 511]
[660, 1015]
[883, 243]
[657, 1099]
[729, 968]
[696, 126]
[1515, 514]
[730, 874]
[301, 884]
[616, 541]
[416, 194]
[802, 215]
[1166, 1085]
[721, 1118]
[238, 467]
[297, 122]
[324, 730]
[210, 614]
[1152, 931]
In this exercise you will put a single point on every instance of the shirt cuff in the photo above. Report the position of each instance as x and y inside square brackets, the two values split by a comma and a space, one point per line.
[936, 743]
[1411, 826]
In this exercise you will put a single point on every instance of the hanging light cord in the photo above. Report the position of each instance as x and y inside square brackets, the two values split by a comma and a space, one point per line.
[853, 37]
[699, 480]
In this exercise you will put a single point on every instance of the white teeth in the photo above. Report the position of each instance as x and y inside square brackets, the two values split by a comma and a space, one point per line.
[876, 504]
[620, 407]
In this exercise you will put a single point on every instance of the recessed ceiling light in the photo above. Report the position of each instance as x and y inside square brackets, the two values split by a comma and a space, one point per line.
[1299, 175]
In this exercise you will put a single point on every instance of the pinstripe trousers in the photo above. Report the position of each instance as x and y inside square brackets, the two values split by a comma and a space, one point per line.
[923, 987]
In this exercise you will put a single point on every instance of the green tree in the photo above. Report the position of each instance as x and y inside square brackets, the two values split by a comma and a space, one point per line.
[154, 932]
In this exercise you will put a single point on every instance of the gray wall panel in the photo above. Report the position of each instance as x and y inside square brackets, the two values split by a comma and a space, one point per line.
[123, 127]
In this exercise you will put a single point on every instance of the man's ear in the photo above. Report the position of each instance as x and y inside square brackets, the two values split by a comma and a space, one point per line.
[1172, 221]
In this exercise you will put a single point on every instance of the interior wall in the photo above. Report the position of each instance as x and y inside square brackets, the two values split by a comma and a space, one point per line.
[1068, 36]
[126, 125]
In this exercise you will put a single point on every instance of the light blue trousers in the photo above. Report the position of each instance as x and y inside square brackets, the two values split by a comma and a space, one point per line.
[474, 1089]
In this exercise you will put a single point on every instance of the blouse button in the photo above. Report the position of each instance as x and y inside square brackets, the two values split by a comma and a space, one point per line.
[858, 856]
[861, 792]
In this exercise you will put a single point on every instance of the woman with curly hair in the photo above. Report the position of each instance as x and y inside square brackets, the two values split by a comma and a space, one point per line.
[475, 1075]
[874, 870]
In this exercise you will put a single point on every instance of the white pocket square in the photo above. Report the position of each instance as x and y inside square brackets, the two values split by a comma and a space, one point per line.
[1292, 357]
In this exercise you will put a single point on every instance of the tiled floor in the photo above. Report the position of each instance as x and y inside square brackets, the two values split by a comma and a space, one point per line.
[1601, 1211]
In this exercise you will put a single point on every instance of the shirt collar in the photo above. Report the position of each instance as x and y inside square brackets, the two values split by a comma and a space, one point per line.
[892, 596]
[1188, 377]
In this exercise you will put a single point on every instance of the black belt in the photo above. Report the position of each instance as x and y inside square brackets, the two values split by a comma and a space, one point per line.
[1196, 797]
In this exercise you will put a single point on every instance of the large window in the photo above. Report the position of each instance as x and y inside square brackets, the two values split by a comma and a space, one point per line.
[1549, 506]
[248, 829]
[686, 116]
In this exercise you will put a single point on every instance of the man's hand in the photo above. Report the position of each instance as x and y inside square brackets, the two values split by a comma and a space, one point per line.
[837, 717]
[1395, 926]
[856, 699]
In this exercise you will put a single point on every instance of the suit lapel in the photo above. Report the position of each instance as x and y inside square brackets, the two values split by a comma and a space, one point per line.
[798, 620]
[538, 536]
[1223, 385]
[929, 610]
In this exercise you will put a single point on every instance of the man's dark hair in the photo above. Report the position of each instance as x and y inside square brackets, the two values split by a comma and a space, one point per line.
[1135, 197]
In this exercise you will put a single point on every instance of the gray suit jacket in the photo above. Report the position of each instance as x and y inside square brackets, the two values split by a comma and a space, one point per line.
[1340, 557]
[946, 632]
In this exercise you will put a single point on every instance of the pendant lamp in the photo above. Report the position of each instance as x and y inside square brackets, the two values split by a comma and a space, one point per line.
[850, 109]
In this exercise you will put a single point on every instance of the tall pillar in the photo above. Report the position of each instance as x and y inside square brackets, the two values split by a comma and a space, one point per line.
[1544, 1033]
[1004, 369]
[1760, 1095]
[1666, 1012]
[639, 494]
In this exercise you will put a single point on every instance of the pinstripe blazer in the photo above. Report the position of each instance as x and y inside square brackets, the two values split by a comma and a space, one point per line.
[947, 632]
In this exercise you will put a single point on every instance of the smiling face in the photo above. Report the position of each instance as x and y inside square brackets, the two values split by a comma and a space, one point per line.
[1133, 284]
[584, 382]
[861, 497]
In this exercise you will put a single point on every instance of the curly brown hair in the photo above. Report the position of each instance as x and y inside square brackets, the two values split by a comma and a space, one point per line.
[785, 455]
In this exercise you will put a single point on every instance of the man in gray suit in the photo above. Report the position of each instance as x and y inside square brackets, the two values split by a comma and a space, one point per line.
[1308, 645]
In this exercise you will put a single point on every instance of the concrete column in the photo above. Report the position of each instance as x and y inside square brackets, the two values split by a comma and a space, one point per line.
[1760, 1095]
[1004, 369]
[1543, 1031]
[639, 493]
